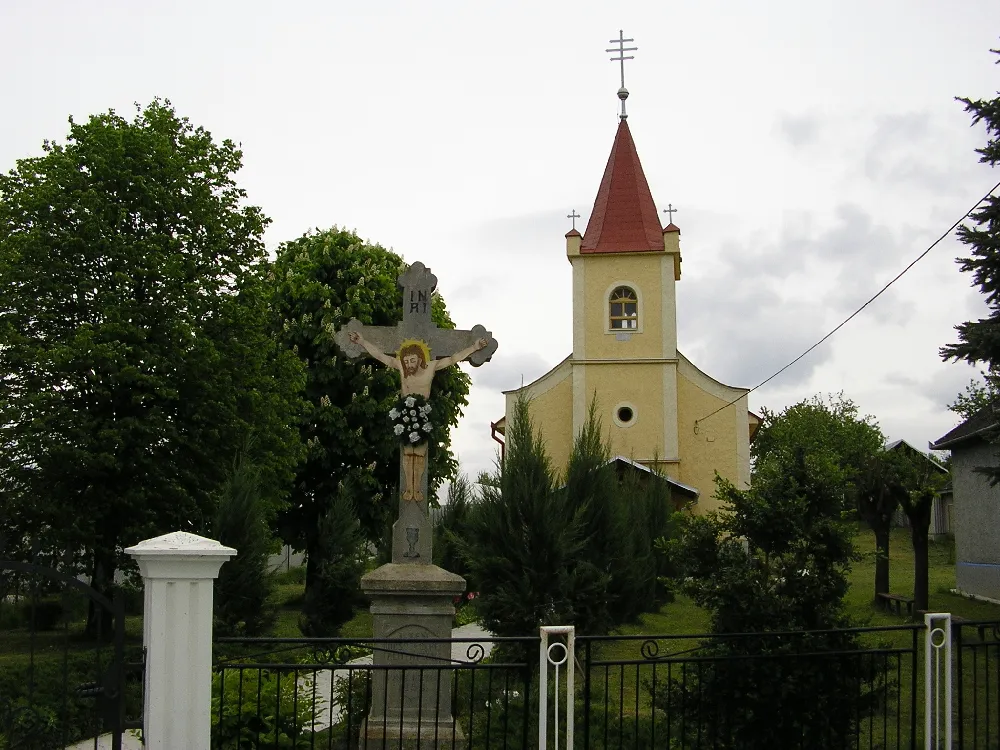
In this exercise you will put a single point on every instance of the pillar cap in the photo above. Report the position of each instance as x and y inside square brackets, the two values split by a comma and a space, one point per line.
[180, 543]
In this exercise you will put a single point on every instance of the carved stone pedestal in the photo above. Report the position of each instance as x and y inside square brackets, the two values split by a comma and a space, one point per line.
[411, 704]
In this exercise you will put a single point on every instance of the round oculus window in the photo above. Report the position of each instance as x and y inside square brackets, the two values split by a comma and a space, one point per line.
[625, 414]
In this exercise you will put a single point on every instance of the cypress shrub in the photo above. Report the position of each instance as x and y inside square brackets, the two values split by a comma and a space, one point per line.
[244, 585]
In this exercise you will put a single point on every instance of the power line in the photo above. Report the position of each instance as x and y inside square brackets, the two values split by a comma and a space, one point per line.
[850, 317]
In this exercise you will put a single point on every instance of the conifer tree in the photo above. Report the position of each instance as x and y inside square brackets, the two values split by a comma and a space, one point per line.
[244, 583]
[979, 340]
[452, 526]
[654, 521]
[619, 541]
[336, 586]
[524, 543]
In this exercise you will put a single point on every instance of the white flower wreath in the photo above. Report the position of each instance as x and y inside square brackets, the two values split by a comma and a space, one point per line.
[410, 419]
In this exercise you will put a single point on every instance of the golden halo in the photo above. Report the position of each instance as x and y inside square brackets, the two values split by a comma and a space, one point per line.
[417, 343]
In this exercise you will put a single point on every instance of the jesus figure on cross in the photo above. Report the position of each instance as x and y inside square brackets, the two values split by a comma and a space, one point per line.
[416, 370]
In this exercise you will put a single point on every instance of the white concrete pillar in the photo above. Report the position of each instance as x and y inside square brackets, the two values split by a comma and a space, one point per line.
[178, 572]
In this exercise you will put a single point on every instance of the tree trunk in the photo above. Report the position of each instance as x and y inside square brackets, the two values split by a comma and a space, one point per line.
[312, 562]
[919, 513]
[882, 559]
[100, 622]
[920, 565]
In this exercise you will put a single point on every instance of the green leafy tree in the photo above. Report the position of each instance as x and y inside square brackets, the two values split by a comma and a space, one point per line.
[839, 447]
[879, 490]
[754, 576]
[918, 505]
[135, 354]
[320, 281]
[245, 583]
[977, 395]
[922, 479]
[831, 429]
[524, 544]
[979, 340]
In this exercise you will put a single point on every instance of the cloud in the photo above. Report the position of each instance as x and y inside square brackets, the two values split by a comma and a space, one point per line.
[507, 371]
[852, 242]
[922, 150]
[948, 381]
[799, 130]
[801, 279]
[520, 235]
[734, 337]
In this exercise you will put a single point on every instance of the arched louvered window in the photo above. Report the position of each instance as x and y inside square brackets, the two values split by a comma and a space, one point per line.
[623, 309]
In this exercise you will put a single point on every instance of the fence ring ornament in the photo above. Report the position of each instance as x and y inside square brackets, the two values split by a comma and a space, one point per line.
[650, 649]
[334, 655]
[938, 632]
[557, 662]
[475, 653]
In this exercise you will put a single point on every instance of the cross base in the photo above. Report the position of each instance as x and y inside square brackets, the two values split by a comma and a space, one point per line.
[411, 702]
[428, 735]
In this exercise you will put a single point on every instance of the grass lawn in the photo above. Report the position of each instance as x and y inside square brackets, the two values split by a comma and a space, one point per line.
[684, 616]
[941, 579]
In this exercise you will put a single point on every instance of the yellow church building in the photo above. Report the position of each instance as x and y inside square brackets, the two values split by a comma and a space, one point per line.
[653, 402]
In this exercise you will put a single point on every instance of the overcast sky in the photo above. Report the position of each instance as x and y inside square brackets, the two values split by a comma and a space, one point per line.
[812, 149]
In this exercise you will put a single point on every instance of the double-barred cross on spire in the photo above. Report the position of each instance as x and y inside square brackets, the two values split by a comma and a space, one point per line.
[622, 57]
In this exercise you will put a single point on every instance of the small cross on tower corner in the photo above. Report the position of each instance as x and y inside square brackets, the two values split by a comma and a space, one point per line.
[670, 211]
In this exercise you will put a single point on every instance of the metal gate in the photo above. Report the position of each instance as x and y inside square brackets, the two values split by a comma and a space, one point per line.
[64, 678]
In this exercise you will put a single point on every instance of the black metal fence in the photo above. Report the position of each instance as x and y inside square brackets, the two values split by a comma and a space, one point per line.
[66, 675]
[327, 693]
[977, 684]
[853, 688]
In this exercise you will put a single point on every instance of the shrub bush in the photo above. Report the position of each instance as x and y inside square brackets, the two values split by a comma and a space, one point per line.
[354, 698]
[774, 559]
[260, 708]
[38, 702]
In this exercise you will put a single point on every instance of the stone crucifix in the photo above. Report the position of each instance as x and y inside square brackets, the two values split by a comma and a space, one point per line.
[415, 348]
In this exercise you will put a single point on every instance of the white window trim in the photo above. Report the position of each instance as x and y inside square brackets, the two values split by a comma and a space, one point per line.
[625, 405]
[607, 307]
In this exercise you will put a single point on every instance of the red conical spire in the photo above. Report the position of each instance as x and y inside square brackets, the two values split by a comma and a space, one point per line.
[624, 218]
